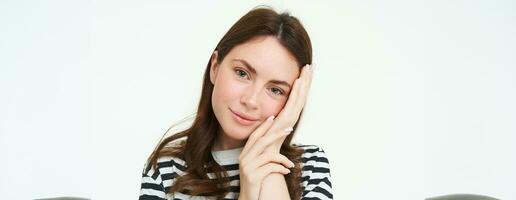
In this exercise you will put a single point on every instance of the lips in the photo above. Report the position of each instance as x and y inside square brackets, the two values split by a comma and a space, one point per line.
[241, 118]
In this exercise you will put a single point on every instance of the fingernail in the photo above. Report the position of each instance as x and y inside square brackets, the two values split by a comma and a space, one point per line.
[270, 118]
[292, 164]
[288, 130]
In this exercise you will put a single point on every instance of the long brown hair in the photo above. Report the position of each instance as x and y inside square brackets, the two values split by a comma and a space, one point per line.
[200, 136]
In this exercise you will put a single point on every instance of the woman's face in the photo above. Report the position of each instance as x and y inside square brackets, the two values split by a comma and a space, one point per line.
[252, 83]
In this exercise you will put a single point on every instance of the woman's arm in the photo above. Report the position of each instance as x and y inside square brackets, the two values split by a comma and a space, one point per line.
[152, 185]
[274, 186]
[316, 174]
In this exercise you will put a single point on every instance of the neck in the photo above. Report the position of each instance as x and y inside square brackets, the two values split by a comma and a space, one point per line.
[223, 142]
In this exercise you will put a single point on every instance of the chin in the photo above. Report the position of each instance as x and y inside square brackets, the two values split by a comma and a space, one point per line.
[237, 133]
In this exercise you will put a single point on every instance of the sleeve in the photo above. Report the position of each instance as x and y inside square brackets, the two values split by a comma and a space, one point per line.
[152, 185]
[316, 174]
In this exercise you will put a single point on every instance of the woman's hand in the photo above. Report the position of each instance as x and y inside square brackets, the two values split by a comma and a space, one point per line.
[288, 117]
[260, 156]
[256, 165]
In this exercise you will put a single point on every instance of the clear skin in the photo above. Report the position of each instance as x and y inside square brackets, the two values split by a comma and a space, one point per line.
[256, 92]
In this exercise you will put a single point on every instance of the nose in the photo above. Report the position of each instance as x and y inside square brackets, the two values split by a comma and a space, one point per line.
[249, 97]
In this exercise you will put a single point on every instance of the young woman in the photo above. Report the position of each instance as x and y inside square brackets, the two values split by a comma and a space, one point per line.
[239, 144]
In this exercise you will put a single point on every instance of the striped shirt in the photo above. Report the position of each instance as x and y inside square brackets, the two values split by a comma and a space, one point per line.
[315, 175]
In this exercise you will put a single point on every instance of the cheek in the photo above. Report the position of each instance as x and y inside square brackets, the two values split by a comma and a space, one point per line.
[226, 91]
[272, 107]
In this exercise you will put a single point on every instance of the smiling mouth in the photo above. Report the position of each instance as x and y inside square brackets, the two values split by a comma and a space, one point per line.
[241, 119]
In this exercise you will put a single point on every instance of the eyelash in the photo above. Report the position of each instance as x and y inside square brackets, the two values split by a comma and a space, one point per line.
[240, 72]
[237, 71]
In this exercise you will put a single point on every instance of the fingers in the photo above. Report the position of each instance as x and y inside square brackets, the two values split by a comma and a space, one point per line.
[257, 133]
[268, 157]
[256, 176]
[305, 86]
[299, 93]
[291, 99]
[306, 80]
[270, 168]
[297, 97]
[260, 145]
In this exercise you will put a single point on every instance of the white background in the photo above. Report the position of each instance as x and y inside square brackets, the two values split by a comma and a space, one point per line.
[410, 99]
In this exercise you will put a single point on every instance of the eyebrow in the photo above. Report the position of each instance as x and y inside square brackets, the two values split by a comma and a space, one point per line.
[253, 71]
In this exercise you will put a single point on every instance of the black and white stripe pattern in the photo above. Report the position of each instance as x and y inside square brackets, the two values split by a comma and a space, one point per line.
[315, 175]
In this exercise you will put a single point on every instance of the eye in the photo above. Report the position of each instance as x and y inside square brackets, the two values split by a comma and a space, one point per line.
[240, 73]
[277, 91]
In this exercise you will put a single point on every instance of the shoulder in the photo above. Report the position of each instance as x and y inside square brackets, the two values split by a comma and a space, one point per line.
[312, 153]
[165, 165]
[315, 173]
[167, 168]
[157, 179]
[313, 159]
[309, 147]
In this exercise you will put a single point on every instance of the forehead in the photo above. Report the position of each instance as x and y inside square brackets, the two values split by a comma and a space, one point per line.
[268, 57]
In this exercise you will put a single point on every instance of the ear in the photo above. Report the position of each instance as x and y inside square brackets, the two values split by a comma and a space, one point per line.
[214, 67]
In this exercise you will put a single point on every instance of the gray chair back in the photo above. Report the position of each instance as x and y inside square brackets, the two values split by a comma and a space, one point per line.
[64, 198]
[462, 197]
